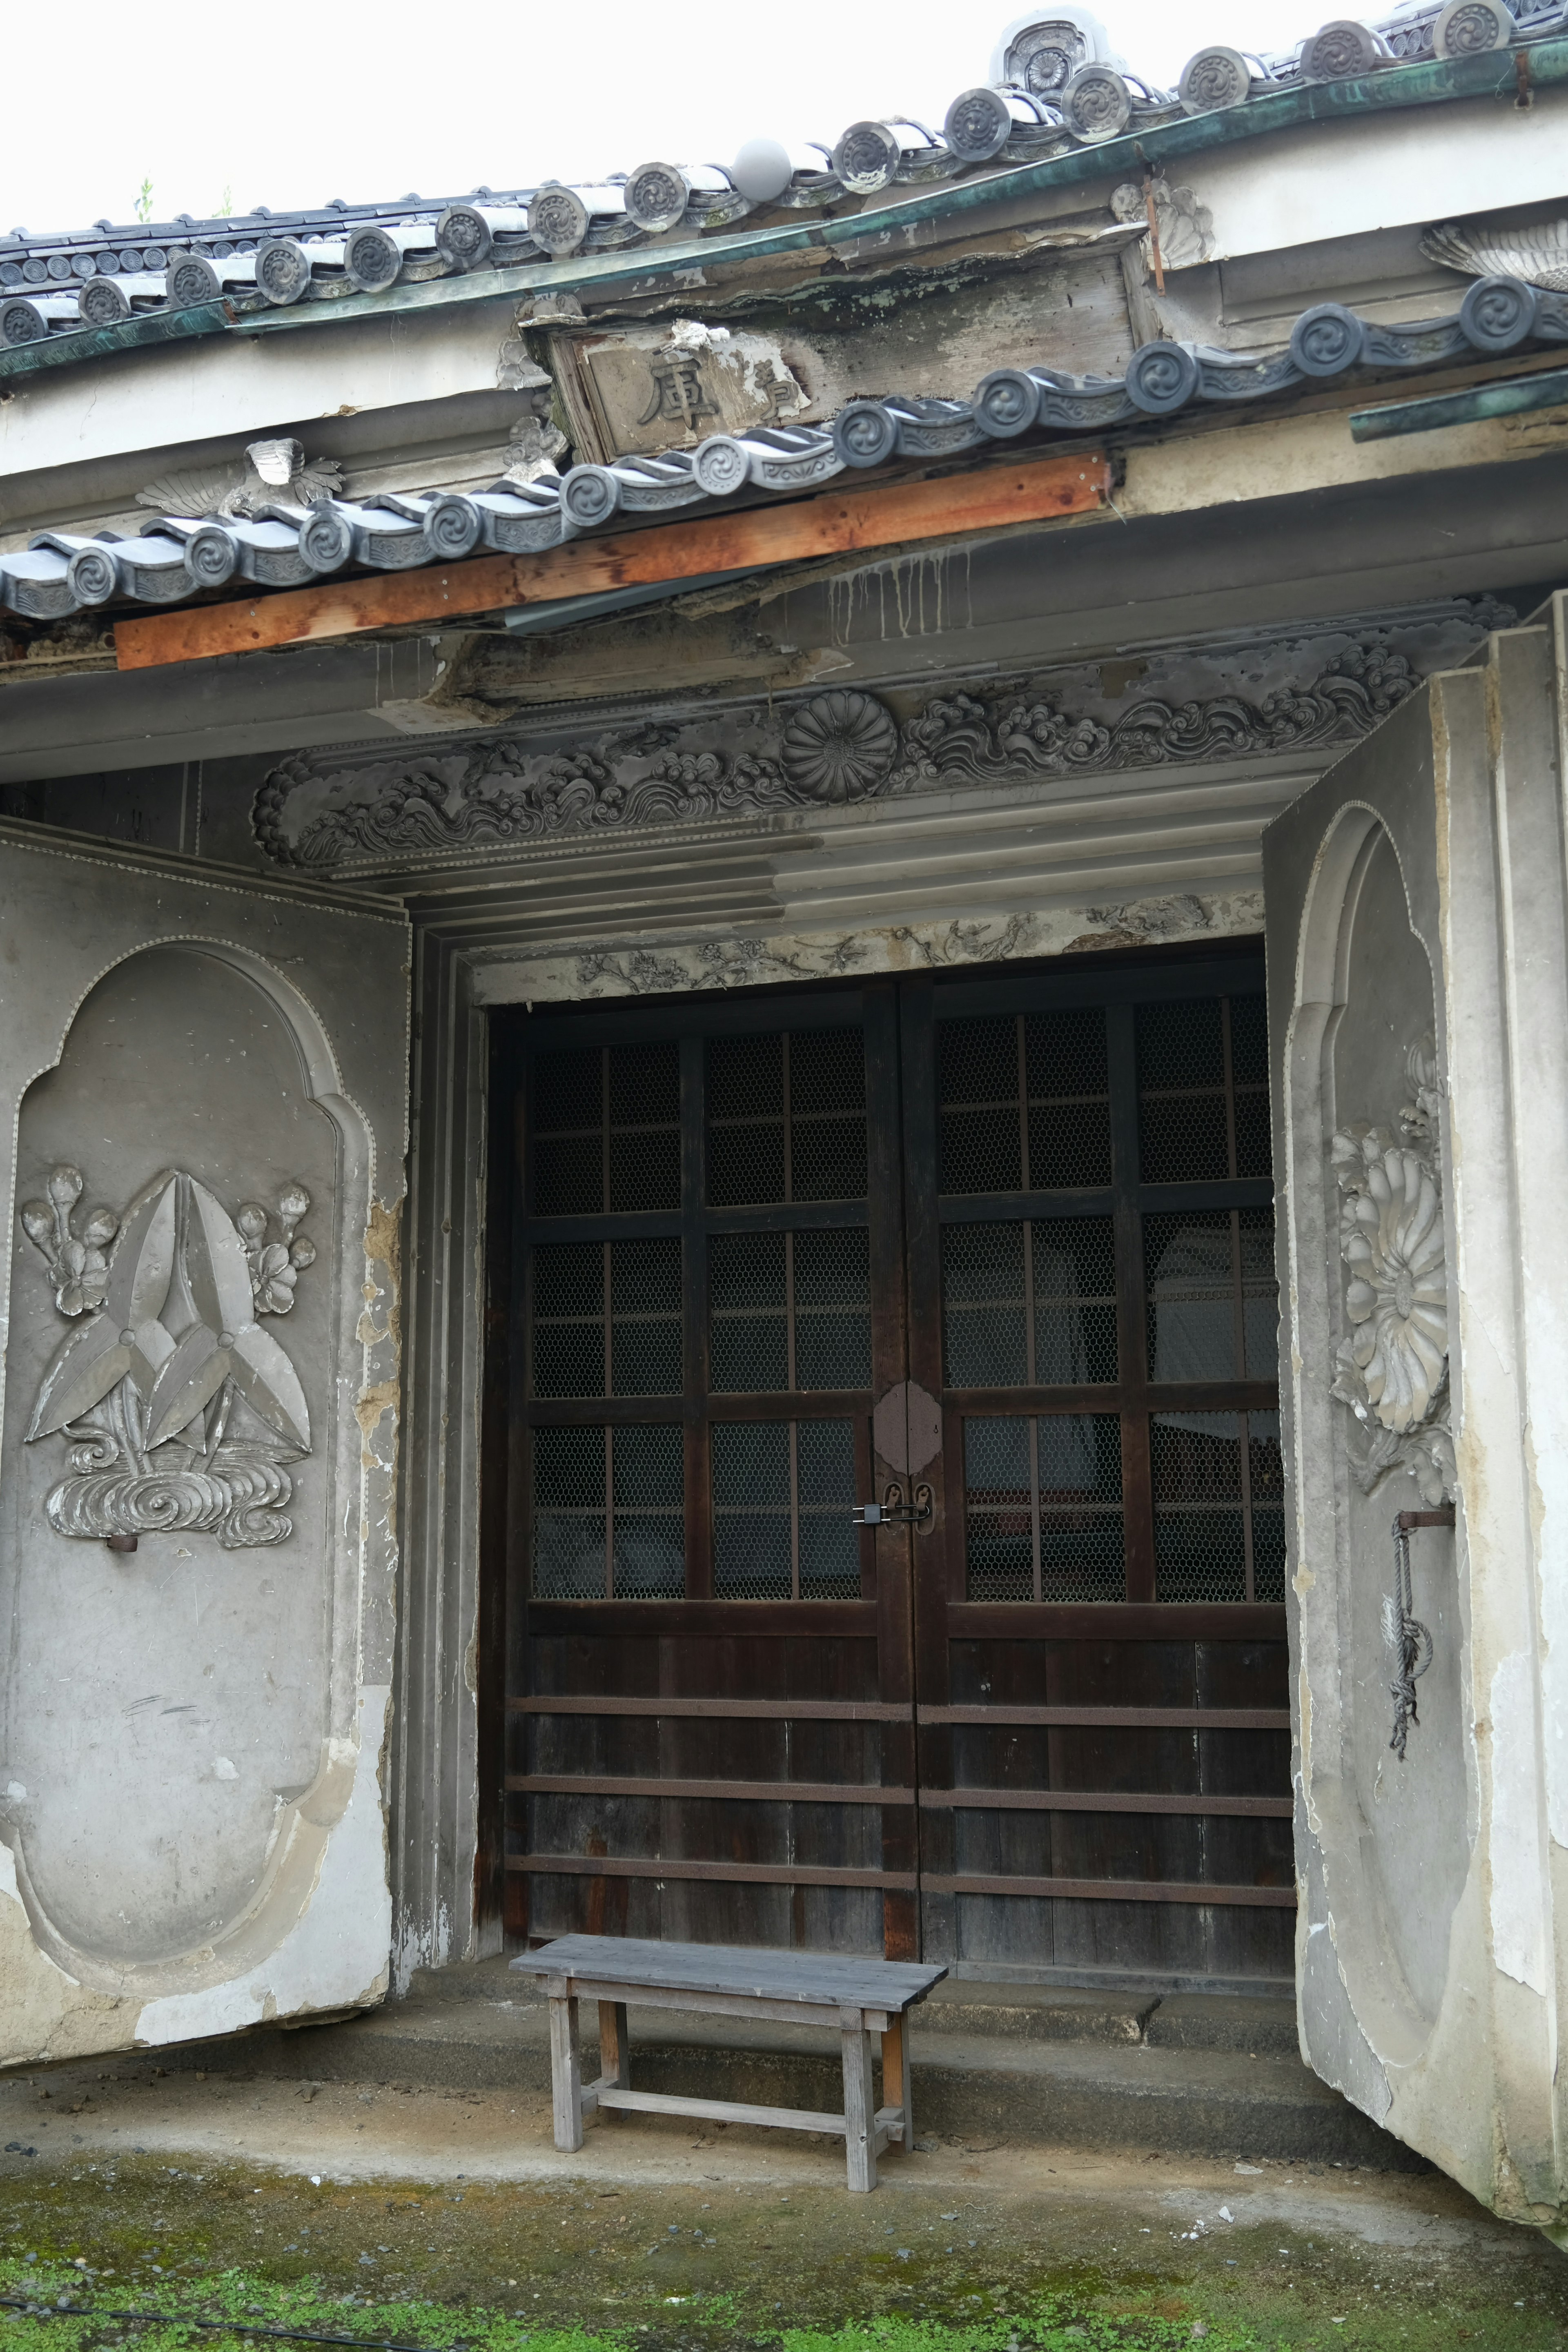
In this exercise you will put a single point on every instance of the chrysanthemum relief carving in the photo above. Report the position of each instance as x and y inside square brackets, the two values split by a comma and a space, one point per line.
[1392, 1368]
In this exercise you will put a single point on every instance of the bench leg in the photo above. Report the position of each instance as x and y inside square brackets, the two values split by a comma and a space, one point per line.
[896, 2075]
[565, 2075]
[859, 2118]
[614, 2052]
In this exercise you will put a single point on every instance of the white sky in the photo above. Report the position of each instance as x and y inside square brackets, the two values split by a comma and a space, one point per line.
[367, 99]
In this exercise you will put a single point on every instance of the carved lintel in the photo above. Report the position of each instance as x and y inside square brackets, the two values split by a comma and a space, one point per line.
[365, 810]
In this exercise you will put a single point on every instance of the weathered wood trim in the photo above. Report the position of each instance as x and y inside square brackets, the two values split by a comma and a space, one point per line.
[792, 1792]
[1099, 1801]
[802, 1710]
[754, 1874]
[1132, 1719]
[840, 522]
[1116, 1621]
[1120, 1890]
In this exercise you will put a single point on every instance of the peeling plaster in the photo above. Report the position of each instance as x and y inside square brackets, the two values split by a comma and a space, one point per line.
[48, 2014]
[343, 1933]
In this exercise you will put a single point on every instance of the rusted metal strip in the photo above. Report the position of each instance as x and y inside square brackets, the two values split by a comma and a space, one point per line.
[834, 522]
[1135, 1719]
[1100, 1801]
[1118, 1890]
[792, 1792]
[749, 1874]
[802, 1710]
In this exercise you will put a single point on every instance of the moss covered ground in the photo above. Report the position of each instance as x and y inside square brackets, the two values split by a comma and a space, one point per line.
[100, 2251]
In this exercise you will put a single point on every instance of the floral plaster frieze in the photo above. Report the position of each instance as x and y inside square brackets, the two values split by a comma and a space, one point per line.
[663, 967]
[366, 810]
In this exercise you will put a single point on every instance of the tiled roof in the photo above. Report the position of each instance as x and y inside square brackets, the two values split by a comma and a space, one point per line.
[1056, 85]
[178, 558]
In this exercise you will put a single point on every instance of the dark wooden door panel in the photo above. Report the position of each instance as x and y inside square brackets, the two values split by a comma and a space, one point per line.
[763, 1246]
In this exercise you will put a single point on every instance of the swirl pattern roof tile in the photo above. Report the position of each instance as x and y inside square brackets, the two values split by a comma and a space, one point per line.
[1057, 84]
[175, 558]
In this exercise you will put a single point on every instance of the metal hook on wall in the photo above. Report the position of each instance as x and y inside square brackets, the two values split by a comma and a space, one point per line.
[1407, 1641]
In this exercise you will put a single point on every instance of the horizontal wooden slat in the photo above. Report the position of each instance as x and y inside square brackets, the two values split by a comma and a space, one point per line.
[773, 1793]
[677, 1619]
[797, 1710]
[1117, 1620]
[709, 2004]
[1118, 1890]
[1099, 1801]
[668, 2103]
[1118, 1719]
[745, 1873]
[982, 498]
[1003, 1621]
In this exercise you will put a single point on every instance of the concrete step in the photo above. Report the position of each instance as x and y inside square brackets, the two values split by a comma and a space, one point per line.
[1194, 2074]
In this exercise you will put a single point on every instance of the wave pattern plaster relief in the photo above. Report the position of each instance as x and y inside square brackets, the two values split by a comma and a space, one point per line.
[326, 810]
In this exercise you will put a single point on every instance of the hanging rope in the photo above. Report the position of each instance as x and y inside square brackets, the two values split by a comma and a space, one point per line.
[1406, 1640]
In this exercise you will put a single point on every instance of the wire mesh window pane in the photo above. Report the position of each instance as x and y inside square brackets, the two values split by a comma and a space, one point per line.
[748, 1296]
[985, 1321]
[1025, 1102]
[569, 1518]
[1213, 1301]
[609, 1514]
[568, 1133]
[644, 1330]
[982, 1146]
[827, 1115]
[1074, 1300]
[647, 1546]
[1200, 1523]
[569, 1319]
[1184, 1117]
[787, 1118]
[1203, 1089]
[783, 1496]
[643, 1154]
[1266, 1499]
[1029, 1305]
[789, 1311]
[1249, 1064]
[825, 1481]
[1069, 1102]
[606, 1129]
[832, 1275]
[1043, 1507]
[1219, 1507]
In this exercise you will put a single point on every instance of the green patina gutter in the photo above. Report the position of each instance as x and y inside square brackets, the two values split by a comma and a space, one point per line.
[127, 335]
[1548, 390]
[649, 268]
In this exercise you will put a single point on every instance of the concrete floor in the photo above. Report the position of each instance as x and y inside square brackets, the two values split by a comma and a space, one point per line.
[441, 2215]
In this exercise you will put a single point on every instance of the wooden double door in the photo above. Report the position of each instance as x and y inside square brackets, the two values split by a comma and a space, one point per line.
[994, 1253]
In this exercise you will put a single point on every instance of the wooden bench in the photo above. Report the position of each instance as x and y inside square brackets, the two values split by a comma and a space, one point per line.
[854, 1998]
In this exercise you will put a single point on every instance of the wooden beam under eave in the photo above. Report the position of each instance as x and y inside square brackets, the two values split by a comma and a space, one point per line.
[834, 522]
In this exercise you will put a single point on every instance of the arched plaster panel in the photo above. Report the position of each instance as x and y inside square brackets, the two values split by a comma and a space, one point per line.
[176, 1700]
[1414, 1846]
[192, 1832]
[1417, 926]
